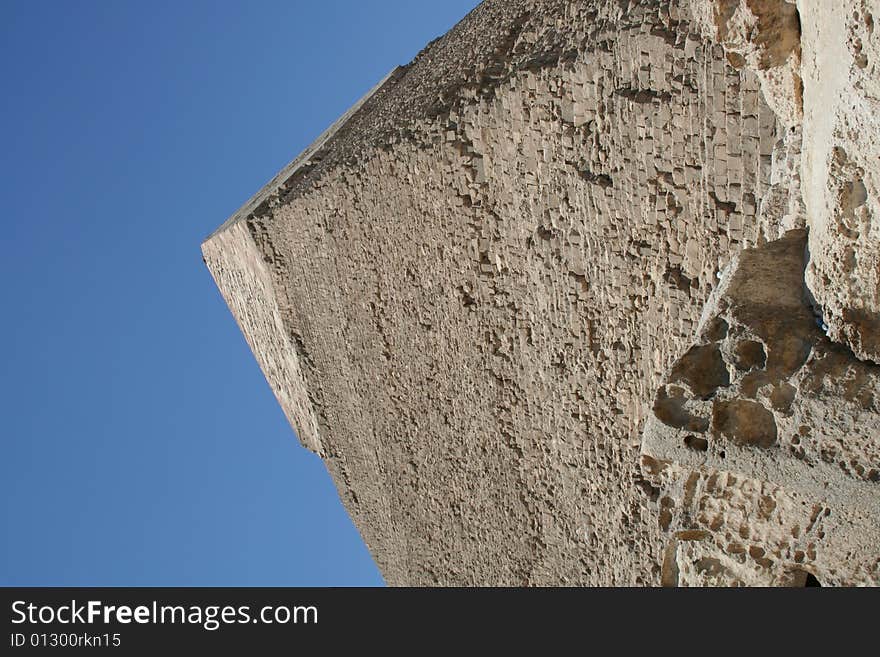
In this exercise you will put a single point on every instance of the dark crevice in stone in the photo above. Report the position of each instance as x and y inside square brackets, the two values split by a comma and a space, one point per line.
[703, 369]
[744, 422]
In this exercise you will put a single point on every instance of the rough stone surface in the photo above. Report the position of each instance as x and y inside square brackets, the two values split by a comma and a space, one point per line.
[764, 35]
[491, 299]
[841, 167]
[765, 398]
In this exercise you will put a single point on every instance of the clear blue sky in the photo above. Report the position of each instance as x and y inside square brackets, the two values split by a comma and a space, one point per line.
[141, 444]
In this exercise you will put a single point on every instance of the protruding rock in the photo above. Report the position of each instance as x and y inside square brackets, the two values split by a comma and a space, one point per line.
[786, 407]
[765, 36]
[841, 167]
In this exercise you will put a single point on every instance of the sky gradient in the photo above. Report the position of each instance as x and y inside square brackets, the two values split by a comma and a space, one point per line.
[141, 443]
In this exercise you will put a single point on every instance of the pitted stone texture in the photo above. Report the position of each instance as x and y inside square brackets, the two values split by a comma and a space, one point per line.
[726, 529]
[780, 404]
[841, 167]
[763, 35]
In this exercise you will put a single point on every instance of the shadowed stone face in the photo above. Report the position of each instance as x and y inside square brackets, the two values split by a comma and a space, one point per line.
[703, 369]
[744, 422]
[489, 298]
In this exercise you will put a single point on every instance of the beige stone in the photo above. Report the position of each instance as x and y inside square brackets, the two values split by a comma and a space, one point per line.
[485, 297]
[763, 35]
[841, 167]
[765, 397]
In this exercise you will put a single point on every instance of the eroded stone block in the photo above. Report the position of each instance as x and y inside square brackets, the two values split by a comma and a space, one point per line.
[767, 396]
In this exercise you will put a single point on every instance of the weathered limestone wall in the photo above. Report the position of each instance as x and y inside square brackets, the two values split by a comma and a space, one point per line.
[471, 299]
[841, 167]
[780, 387]
[249, 289]
[771, 431]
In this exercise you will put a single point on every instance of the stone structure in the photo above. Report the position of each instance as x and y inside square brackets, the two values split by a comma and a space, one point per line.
[588, 294]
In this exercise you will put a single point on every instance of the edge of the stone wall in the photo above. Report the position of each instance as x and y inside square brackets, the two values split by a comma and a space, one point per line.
[311, 152]
[246, 284]
[235, 262]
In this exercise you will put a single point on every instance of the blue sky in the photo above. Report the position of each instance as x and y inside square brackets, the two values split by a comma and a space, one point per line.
[141, 444]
